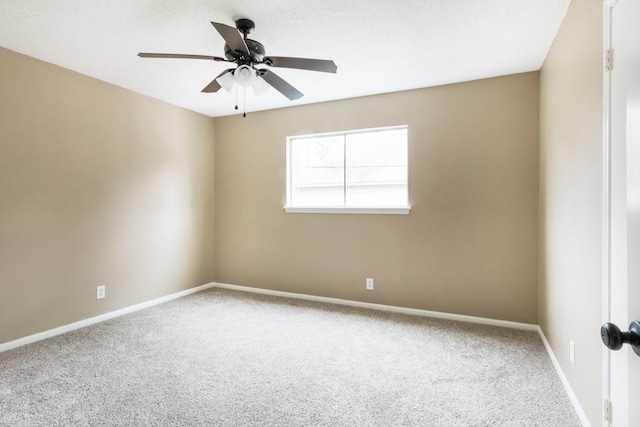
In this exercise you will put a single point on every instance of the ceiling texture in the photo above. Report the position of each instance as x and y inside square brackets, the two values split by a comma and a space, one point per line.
[379, 46]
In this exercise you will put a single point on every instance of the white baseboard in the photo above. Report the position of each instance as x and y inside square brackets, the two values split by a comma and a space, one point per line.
[390, 308]
[101, 318]
[565, 381]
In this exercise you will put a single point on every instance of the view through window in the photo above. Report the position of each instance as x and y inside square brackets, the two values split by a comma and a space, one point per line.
[357, 169]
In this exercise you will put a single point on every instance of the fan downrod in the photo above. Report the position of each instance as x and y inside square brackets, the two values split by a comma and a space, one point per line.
[245, 26]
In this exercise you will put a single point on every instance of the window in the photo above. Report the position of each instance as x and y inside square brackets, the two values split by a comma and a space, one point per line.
[361, 171]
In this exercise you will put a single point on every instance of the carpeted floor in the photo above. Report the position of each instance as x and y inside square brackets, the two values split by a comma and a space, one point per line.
[224, 358]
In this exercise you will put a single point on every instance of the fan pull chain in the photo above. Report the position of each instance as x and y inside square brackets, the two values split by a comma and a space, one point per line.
[244, 102]
[236, 107]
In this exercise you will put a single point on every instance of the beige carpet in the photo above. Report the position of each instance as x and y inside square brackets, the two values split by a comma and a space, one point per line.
[224, 358]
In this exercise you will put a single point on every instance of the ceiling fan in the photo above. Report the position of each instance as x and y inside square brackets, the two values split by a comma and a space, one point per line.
[249, 56]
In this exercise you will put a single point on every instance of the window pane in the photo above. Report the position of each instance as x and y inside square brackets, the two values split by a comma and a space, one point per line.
[377, 168]
[317, 171]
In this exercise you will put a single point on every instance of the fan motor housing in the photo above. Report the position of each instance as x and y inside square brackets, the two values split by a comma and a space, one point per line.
[256, 50]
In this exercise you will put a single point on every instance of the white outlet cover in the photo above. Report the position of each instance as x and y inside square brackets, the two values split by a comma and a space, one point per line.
[369, 284]
[100, 292]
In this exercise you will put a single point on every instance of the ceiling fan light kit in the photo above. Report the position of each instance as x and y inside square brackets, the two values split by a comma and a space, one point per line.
[249, 56]
[227, 81]
[260, 86]
[245, 75]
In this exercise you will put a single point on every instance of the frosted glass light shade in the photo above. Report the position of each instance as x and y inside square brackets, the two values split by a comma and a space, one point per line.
[245, 75]
[260, 86]
[226, 81]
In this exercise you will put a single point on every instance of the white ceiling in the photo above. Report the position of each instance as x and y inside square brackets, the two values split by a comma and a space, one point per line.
[379, 45]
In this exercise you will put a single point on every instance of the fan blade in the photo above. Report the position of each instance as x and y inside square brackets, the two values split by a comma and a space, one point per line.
[180, 56]
[324, 65]
[280, 85]
[214, 86]
[232, 37]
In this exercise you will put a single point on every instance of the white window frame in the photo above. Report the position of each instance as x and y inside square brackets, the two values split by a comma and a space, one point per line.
[394, 210]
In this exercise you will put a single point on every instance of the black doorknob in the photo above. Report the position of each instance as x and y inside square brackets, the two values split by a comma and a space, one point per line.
[613, 338]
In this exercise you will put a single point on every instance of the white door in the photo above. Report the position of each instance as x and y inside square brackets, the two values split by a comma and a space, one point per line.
[625, 205]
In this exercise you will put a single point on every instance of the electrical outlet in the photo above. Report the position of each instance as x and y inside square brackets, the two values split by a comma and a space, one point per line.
[572, 352]
[369, 284]
[101, 292]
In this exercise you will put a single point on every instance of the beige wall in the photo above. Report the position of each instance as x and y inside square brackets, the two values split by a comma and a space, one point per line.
[571, 199]
[98, 185]
[469, 245]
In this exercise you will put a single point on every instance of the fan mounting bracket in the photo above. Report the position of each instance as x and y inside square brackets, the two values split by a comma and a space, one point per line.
[245, 26]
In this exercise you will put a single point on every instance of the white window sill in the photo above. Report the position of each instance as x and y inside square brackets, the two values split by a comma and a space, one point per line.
[401, 210]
